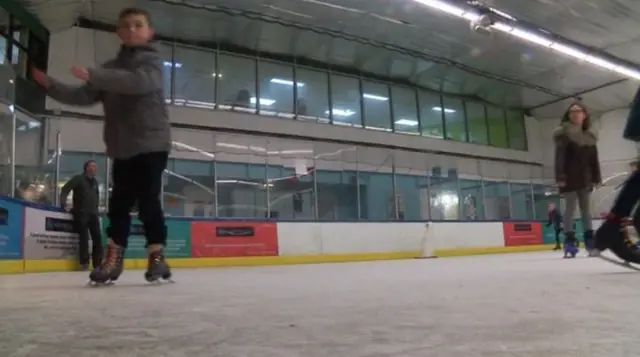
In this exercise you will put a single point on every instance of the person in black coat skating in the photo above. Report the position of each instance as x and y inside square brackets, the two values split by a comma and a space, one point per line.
[555, 219]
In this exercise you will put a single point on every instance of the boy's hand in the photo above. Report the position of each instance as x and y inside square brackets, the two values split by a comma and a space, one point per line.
[40, 77]
[80, 72]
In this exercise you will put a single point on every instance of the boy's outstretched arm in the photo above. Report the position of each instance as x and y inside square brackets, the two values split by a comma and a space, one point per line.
[72, 95]
[147, 78]
[64, 93]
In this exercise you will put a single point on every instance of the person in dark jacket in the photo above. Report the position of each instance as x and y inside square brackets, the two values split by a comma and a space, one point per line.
[555, 219]
[612, 234]
[86, 199]
[577, 171]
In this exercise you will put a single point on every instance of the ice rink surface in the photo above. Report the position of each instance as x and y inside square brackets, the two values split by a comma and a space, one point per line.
[503, 305]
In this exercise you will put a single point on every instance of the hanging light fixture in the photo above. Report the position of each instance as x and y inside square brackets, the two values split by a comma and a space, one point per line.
[536, 37]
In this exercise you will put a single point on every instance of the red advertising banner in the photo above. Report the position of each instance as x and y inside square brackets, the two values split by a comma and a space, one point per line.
[233, 239]
[522, 233]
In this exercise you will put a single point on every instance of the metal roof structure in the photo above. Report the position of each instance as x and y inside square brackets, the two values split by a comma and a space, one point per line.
[410, 42]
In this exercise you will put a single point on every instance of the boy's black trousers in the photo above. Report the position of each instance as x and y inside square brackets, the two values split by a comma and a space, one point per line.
[137, 180]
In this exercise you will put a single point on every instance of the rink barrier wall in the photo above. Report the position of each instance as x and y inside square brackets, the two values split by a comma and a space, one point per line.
[38, 238]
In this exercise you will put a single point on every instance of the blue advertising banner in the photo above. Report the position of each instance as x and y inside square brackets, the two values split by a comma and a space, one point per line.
[11, 218]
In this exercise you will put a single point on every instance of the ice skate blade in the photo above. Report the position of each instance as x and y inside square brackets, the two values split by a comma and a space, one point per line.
[160, 281]
[620, 263]
[92, 283]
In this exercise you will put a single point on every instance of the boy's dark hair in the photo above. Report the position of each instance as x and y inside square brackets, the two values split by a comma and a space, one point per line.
[128, 11]
[586, 124]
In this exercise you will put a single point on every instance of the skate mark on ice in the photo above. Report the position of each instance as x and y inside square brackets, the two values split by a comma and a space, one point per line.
[620, 263]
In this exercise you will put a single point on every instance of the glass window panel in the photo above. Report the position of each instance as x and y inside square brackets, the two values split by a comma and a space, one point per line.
[444, 199]
[405, 110]
[521, 201]
[409, 188]
[497, 127]
[337, 195]
[477, 123]
[20, 33]
[192, 194]
[276, 89]
[471, 200]
[377, 109]
[241, 191]
[431, 114]
[345, 97]
[454, 119]
[3, 50]
[378, 198]
[19, 61]
[237, 83]
[166, 50]
[496, 200]
[313, 95]
[195, 77]
[336, 182]
[517, 130]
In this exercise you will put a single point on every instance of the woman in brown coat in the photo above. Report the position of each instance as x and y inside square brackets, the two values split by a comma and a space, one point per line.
[577, 172]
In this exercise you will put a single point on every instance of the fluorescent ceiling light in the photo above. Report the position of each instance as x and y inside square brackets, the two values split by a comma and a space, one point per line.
[538, 38]
[446, 110]
[531, 37]
[598, 61]
[168, 64]
[450, 9]
[341, 112]
[286, 82]
[628, 72]
[263, 101]
[568, 50]
[374, 97]
[547, 41]
[503, 14]
[407, 122]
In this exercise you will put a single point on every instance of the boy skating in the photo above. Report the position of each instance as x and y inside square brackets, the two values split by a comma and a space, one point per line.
[137, 136]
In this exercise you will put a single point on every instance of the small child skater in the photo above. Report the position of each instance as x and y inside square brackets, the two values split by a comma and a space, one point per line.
[137, 136]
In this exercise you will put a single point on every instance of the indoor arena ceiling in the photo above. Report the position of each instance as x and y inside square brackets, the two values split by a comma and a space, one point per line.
[406, 40]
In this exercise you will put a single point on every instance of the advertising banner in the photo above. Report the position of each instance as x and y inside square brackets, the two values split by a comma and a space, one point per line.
[233, 239]
[11, 216]
[178, 242]
[522, 233]
[49, 235]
